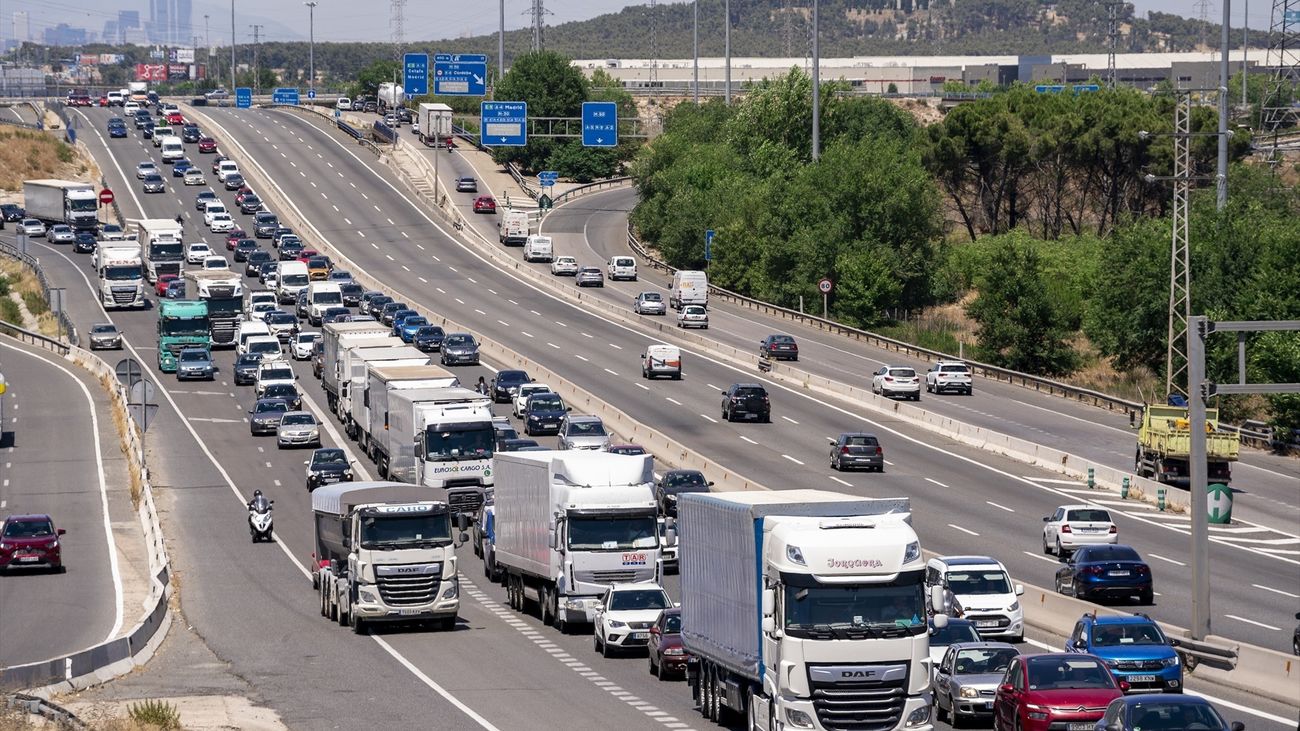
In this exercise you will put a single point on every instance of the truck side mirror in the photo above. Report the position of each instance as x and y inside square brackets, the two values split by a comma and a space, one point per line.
[940, 621]
[936, 598]
[670, 538]
[769, 603]
[769, 625]
[550, 538]
[462, 521]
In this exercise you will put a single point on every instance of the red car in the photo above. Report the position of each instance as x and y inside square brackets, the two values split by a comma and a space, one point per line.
[160, 286]
[485, 204]
[234, 238]
[307, 255]
[1061, 691]
[103, 101]
[207, 144]
[667, 656]
[175, 118]
[30, 540]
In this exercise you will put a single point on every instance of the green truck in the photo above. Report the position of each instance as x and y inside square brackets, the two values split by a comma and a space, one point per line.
[181, 324]
[1165, 440]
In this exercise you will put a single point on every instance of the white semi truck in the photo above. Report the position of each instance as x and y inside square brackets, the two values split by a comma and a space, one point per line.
[62, 201]
[436, 437]
[567, 525]
[160, 240]
[374, 387]
[120, 270]
[433, 123]
[337, 337]
[223, 290]
[804, 609]
[357, 358]
[385, 553]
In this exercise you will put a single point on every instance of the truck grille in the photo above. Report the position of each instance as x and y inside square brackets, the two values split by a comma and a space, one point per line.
[221, 291]
[168, 267]
[464, 501]
[123, 296]
[405, 591]
[616, 576]
[859, 706]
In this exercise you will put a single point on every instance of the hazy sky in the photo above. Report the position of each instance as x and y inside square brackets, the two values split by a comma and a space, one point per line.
[348, 20]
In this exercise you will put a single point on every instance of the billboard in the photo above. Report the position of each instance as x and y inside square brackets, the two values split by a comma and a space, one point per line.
[182, 55]
[150, 72]
[178, 72]
[108, 59]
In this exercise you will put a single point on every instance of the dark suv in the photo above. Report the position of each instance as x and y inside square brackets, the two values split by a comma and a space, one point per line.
[506, 384]
[673, 484]
[745, 401]
[265, 224]
[543, 414]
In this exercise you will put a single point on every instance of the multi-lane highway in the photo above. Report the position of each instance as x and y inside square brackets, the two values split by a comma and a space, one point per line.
[258, 611]
[20, 113]
[58, 433]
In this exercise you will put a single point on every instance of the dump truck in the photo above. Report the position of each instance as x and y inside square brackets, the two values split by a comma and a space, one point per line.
[1164, 444]
[385, 553]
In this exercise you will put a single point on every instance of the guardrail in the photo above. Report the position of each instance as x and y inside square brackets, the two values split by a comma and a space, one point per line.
[20, 123]
[34, 265]
[49, 710]
[34, 338]
[595, 187]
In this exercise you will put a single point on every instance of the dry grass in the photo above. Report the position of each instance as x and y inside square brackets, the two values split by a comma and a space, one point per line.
[122, 424]
[12, 719]
[26, 154]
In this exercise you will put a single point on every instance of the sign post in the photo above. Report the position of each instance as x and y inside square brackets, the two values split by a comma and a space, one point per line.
[243, 98]
[459, 74]
[825, 285]
[415, 74]
[503, 124]
[599, 124]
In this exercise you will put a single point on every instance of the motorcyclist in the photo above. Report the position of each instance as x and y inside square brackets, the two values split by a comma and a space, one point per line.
[259, 503]
[481, 386]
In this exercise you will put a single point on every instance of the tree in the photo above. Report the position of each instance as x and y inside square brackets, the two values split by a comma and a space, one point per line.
[552, 87]
[370, 77]
[1127, 316]
[1019, 325]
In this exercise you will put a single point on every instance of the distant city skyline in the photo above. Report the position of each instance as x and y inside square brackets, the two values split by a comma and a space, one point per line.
[178, 22]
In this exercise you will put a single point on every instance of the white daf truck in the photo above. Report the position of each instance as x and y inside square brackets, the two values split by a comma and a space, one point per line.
[121, 275]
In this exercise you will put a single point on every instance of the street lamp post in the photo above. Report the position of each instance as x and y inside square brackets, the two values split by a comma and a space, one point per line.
[816, 90]
[311, 53]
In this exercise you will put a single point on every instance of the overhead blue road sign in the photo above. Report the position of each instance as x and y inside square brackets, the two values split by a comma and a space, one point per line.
[504, 124]
[415, 75]
[1291, 17]
[311, 93]
[1049, 88]
[599, 124]
[284, 96]
[1086, 87]
[708, 245]
[460, 74]
[243, 97]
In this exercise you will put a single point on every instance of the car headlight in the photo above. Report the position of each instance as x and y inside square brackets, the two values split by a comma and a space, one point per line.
[1015, 607]
[970, 693]
[451, 591]
[798, 718]
[919, 717]
[674, 651]
[615, 624]
[1170, 662]
[314, 433]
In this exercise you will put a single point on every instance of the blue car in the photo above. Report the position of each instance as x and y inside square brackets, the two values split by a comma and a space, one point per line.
[410, 325]
[1134, 649]
[117, 130]
[180, 166]
[1105, 571]
[400, 315]
[543, 413]
[1147, 712]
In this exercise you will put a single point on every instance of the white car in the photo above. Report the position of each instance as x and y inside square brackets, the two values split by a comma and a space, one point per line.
[948, 375]
[273, 371]
[215, 263]
[257, 310]
[130, 108]
[1072, 526]
[564, 266]
[343, 104]
[145, 169]
[196, 253]
[891, 381]
[983, 588]
[220, 223]
[32, 227]
[524, 391]
[258, 296]
[626, 612]
[226, 168]
[267, 346]
[213, 208]
[304, 345]
[194, 176]
[693, 316]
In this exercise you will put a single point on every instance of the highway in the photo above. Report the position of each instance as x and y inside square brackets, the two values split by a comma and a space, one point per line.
[57, 434]
[940, 476]
[502, 674]
[20, 113]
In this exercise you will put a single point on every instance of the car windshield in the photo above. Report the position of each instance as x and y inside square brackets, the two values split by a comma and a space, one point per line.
[285, 391]
[954, 369]
[455, 340]
[280, 318]
[954, 632]
[103, 329]
[585, 429]
[428, 331]
[508, 377]
[979, 582]
[982, 661]
[306, 337]
[1094, 554]
[672, 625]
[298, 419]
[1056, 673]
[200, 355]
[651, 297]
[248, 359]
[324, 457]
[414, 321]
[860, 441]
[1174, 716]
[612, 534]
[635, 599]
[682, 480]
[28, 529]
[268, 407]
[1110, 635]
[545, 403]
[1088, 515]
[831, 607]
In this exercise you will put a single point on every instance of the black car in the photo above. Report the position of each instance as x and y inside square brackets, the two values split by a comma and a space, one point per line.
[201, 200]
[264, 224]
[266, 268]
[142, 118]
[366, 296]
[459, 348]
[190, 133]
[234, 182]
[264, 417]
[334, 314]
[255, 262]
[84, 243]
[291, 250]
[516, 445]
[389, 309]
[854, 450]
[466, 185]
[244, 247]
[745, 401]
[250, 204]
[246, 368]
[543, 414]
[12, 212]
[147, 130]
[327, 466]
[779, 347]
[506, 384]
[428, 338]
[503, 432]
[1156, 711]
[285, 391]
[351, 292]
[674, 483]
[375, 305]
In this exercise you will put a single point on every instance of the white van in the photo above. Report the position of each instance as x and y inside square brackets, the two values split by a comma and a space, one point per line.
[161, 133]
[173, 149]
[226, 169]
[320, 297]
[293, 279]
[343, 104]
[621, 267]
[249, 329]
[662, 360]
[513, 228]
[539, 248]
[689, 288]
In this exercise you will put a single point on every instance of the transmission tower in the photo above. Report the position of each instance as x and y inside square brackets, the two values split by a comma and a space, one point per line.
[397, 23]
[1180, 284]
[257, 43]
[1112, 40]
[538, 12]
[654, 48]
[1277, 113]
[1203, 13]
[787, 30]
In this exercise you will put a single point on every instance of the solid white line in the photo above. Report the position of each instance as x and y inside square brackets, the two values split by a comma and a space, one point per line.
[482, 722]
[612, 373]
[1276, 591]
[616, 347]
[1167, 560]
[963, 530]
[643, 387]
[940, 484]
[999, 507]
[1251, 621]
[792, 459]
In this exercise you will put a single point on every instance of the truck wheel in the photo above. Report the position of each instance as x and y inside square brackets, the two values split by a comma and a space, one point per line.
[545, 606]
[339, 615]
[357, 624]
[447, 624]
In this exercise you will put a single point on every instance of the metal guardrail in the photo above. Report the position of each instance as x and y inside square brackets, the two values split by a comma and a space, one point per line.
[49, 710]
[34, 266]
[34, 338]
[595, 187]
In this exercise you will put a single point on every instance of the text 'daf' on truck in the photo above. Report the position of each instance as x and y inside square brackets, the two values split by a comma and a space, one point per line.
[385, 553]
[1165, 441]
[566, 525]
[805, 609]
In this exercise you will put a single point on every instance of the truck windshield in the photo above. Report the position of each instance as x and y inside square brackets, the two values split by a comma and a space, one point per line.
[122, 273]
[594, 533]
[294, 280]
[454, 442]
[327, 298]
[194, 327]
[165, 251]
[394, 532]
[84, 205]
[853, 611]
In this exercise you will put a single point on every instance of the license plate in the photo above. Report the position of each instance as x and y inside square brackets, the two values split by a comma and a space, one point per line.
[1142, 678]
[1119, 573]
[28, 559]
[988, 705]
[987, 623]
[409, 612]
[1081, 726]
[640, 635]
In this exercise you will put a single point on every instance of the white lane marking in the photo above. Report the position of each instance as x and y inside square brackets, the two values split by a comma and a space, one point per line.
[1167, 560]
[999, 507]
[1251, 621]
[277, 482]
[460, 301]
[553, 345]
[792, 459]
[672, 400]
[482, 722]
[535, 312]
[452, 268]
[581, 358]
[616, 347]
[525, 333]
[751, 441]
[503, 322]
[390, 257]
[418, 246]
[643, 387]
[374, 246]
[471, 280]
[940, 484]
[561, 324]
[1049, 480]
[792, 421]
[390, 222]
[612, 373]
[336, 208]
[1276, 591]
[715, 388]
[891, 464]
[842, 482]
[481, 312]
[406, 267]
[1048, 559]
[710, 419]
[422, 279]
[967, 531]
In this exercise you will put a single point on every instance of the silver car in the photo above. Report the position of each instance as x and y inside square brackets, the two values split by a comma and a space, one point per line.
[297, 429]
[650, 303]
[967, 678]
[194, 363]
[693, 316]
[105, 336]
[61, 234]
[580, 431]
[590, 277]
[154, 184]
[32, 227]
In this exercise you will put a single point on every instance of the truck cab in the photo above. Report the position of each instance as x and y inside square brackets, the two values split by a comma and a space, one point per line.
[121, 276]
[181, 324]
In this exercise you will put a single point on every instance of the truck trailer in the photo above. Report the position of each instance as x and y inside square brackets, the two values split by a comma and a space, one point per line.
[436, 437]
[374, 387]
[160, 240]
[62, 201]
[357, 358]
[433, 123]
[566, 525]
[804, 609]
[337, 337]
[384, 553]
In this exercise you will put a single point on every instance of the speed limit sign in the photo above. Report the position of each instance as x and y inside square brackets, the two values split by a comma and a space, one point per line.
[825, 285]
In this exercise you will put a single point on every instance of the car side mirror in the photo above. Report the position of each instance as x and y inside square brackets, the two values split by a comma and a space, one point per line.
[1238, 726]
[568, 408]
[1020, 589]
[62, 531]
[643, 355]
[1046, 519]
[1005, 688]
[1115, 726]
[724, 393]
[655, 631]
[600, 606]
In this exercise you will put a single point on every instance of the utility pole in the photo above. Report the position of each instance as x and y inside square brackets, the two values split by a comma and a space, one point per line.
[1277, 113]
[501, 43]
[1245, 51]
[654, 52]
[257, 40]
[397, 21]
[695, 50]
[1112, 40]
[233, 82]
[726, 35]
[1221, 184]
[816, 90]
[207, 45]
[311, 52]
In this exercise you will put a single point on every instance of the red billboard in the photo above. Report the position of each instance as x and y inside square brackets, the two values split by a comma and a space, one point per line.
[150, 72]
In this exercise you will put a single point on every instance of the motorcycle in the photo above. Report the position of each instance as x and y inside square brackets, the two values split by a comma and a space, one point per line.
[260, 522]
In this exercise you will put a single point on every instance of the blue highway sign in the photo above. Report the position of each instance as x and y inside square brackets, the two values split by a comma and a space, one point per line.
[311, 93]
[708, 245]
[504, 124]
[244, 97]
[548, 177]
[460, 74]
[415, 74]
[599, 124]
[284, 96]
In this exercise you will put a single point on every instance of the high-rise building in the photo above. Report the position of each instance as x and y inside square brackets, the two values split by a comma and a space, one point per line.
[183, 33]
[22, 27]
[111, 32]
[160, 21]
[128, 19]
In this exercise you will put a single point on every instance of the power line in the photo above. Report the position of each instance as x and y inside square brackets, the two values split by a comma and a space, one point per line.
[397, 23]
